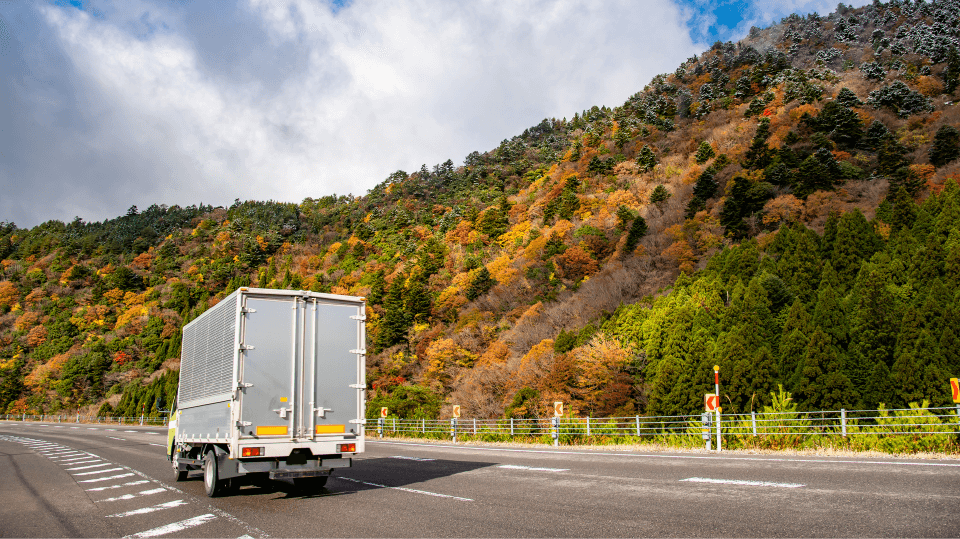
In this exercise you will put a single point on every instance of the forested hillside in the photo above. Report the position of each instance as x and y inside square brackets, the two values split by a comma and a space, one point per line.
[785, 207]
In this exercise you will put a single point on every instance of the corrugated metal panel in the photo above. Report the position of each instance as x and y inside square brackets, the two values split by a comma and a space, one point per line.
[208, 352]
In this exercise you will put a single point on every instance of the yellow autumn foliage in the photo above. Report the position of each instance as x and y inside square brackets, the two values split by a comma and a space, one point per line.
[515, 235]
[500, 269]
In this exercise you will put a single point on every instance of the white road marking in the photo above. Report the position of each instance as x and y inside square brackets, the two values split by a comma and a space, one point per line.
[158, 445]
[418, 459]
[115, 438]
[93, 428]
[415, 491]
[132, 496]
[172, 528]
[131, 431]
[58, 426]
[532, 469]
[151, 509]
[130, 484]
[109, 429]
[74, 427]
[91, 466]
[84, 462]
[741, 482]
[76, 458]
[119, 476]
[698, 457]
[99, 471]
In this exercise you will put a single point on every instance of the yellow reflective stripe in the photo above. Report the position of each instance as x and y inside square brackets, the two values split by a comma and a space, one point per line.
[271, 431]
[331, 429]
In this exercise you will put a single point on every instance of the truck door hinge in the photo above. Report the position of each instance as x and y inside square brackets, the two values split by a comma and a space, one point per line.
[359, 317]
[241, 424]
[247, 347]
[358, 421]
[360, 351]
[242, 385]
[358, 386]
[247, 310]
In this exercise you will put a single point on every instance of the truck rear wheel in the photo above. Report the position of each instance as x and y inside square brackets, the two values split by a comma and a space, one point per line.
[212, 484]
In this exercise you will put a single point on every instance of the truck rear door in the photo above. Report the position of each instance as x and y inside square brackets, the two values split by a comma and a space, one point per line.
[271, 342]
[334, 378]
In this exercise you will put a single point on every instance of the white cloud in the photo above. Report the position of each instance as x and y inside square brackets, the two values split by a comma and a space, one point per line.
[373, 87]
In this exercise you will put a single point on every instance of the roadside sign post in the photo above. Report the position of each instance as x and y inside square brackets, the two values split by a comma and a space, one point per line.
[453, 422]
[716, 382]
[955, 390]
[707, 420]
[383, 415]
[557, 412]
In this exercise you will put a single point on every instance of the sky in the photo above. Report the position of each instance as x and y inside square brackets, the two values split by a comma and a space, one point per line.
[106, 104]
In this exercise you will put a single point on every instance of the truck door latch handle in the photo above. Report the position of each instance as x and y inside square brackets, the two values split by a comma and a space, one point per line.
[322, 412]
[282, 412]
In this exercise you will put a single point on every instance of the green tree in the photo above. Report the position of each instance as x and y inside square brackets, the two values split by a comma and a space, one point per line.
[856, 242]
[393, 326]
[821, 384]
[704, 153]
[646, 159]
[480, 284]
[659, 196]
[951, 73]
[637, 231]
[946, 145]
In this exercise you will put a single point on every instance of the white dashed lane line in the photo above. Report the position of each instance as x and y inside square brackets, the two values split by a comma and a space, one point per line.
[132, 496]
[97, 480]
[531, 468]
[115, 438]
[404, 489]
[741, 482]
[102, 464]
[418, 459]
[111, 487]
[95, 472]
[173, 528]
[151, 509]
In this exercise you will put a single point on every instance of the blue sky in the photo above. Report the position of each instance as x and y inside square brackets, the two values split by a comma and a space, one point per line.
[111, 103]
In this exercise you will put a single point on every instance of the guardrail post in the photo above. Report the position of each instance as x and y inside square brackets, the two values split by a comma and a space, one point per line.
[474, 426]
[394, 425]
[511, 427]
[453, 429]
[556, 431]
[588, 426]
[78, 418]
[638, 426]
[753, 420]
[843, 421]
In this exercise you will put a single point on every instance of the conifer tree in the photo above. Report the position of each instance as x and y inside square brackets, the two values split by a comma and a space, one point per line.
[879, 388]
[907, 370]
[856, 242]
[481, 283]
[417, 301]
[659, 196]
[637, 231]
[799, 265]
[951, 74]
[646, 159]
[946, 145]
[758, 156]
[874, 136]
[828, 316]
[874, 327]
[704, 153]
[821, 383]
[393, 326]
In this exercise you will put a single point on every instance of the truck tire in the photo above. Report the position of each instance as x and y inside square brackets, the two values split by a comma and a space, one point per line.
[179, 475]
[213, 486]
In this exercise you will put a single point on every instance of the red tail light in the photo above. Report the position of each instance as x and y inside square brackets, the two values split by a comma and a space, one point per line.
[347, 448]
[251, 452]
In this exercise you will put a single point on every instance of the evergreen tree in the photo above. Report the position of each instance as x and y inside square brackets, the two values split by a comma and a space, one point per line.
[879, 388]
[951, 74]
[891, 156]
[417, 301]
[946, 145]
[874, 327]
[704, 153]
[637, 231]
[480, 284]
[874, 136]
[393, 326]
[904, 210]
[800, 265]
[758, 156]
[828, 316]
[821, 383]
[856, 242]
[659, 196]
[847, 98]
[706, 187]
[907, 370]
[377, 288]
[646, 159]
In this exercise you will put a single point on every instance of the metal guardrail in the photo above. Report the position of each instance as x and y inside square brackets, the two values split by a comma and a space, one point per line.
[87, 419]
[903, 421]
[944, 420]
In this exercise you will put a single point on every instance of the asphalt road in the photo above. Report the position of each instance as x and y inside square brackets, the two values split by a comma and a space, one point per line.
[67, 480]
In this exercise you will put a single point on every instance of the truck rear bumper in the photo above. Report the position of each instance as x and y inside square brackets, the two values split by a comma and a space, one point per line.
[311, 467]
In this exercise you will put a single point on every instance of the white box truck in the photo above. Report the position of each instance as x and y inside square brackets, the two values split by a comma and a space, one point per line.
[271, 386]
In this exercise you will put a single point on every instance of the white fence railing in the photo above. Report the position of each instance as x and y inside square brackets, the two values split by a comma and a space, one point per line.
[77, 418]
